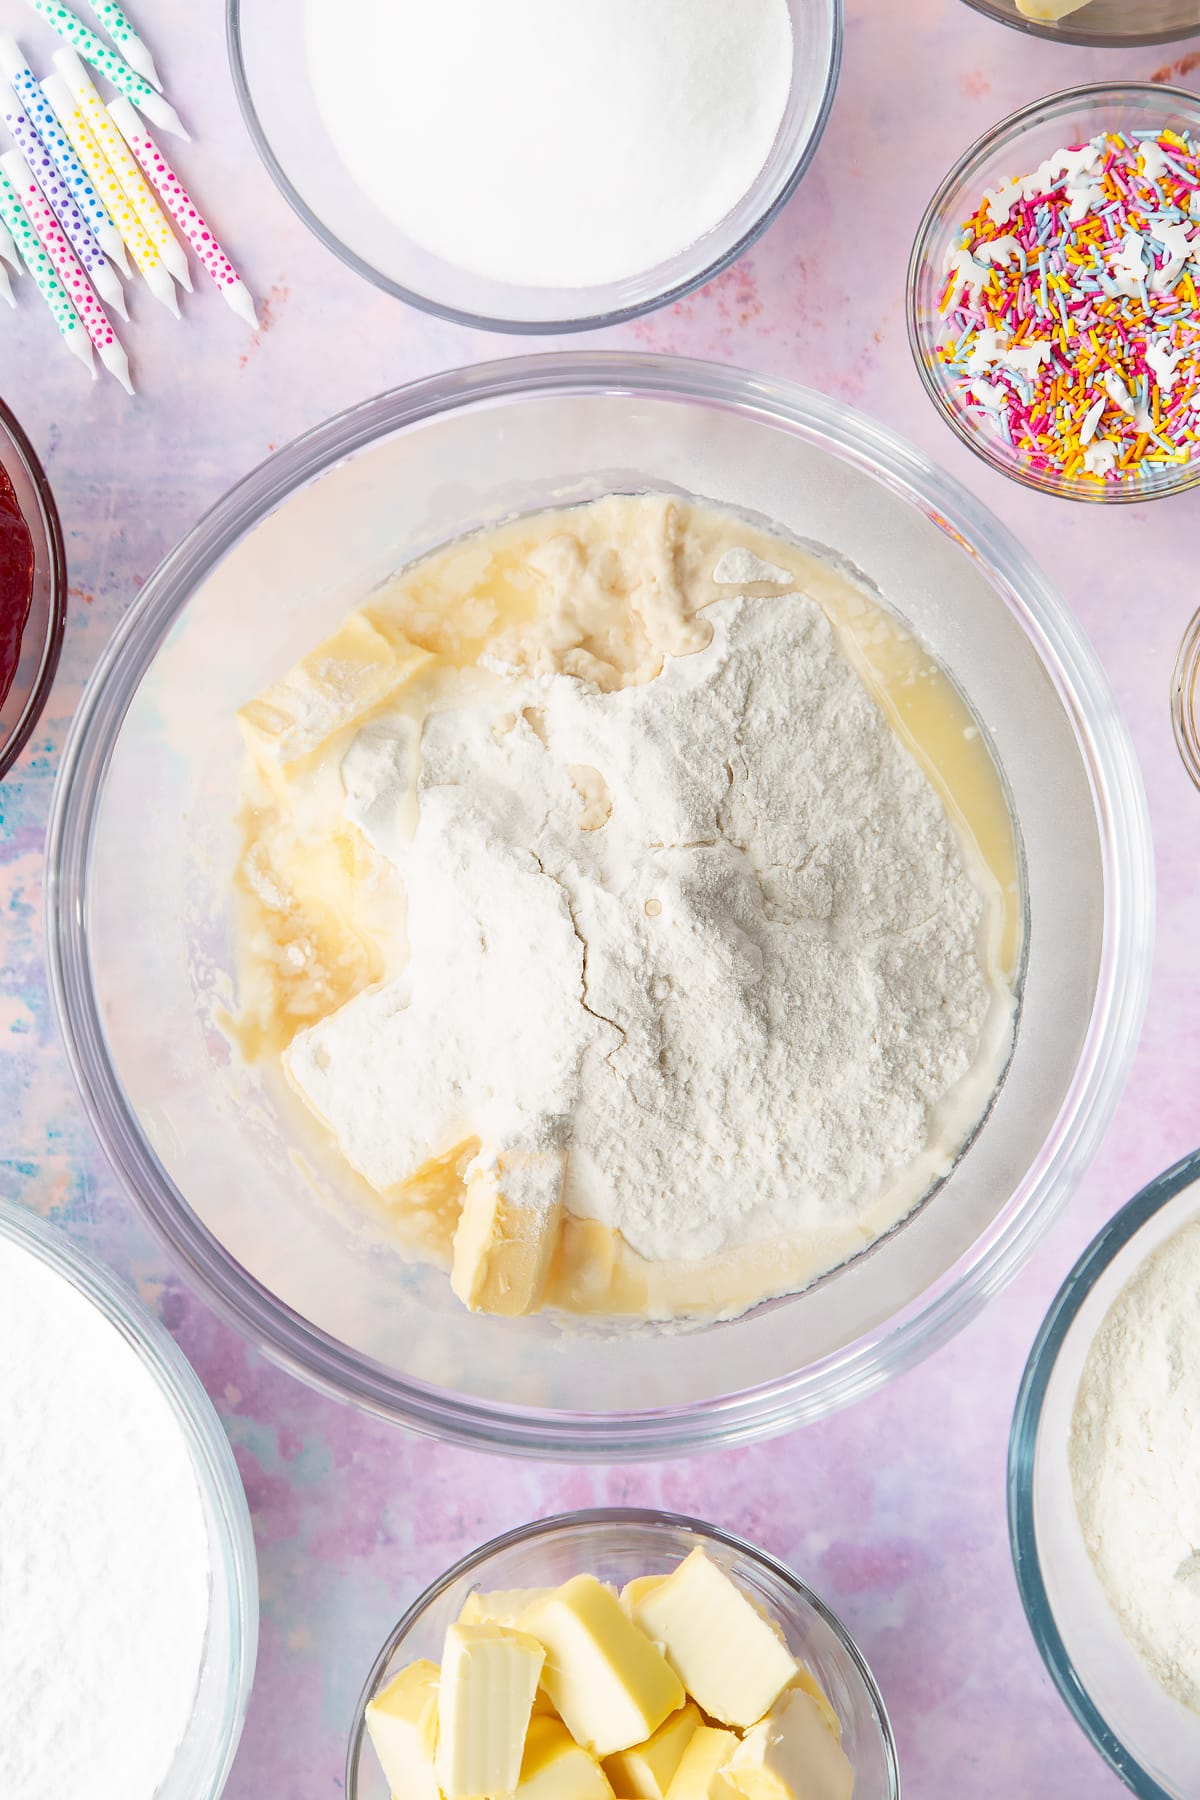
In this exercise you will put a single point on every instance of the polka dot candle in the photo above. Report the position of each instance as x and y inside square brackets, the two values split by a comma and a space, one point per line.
[42, 116]
[37, 260]
[67, 266]
[143, 251]
[94, 50]
[116, 153]
[83, 240]
[183, 210]
[121, 32]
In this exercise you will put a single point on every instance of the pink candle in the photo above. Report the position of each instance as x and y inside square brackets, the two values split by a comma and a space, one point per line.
[70, 271]
[183, 209]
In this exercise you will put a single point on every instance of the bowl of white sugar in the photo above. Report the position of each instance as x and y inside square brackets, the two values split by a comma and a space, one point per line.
[544, 165]
[1104, 1488]
[676, 941]
[127, 1571]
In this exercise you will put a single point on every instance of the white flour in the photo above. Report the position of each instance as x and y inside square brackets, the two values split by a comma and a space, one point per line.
[552, 143]
[745, 1003]
[1135, 1461]
[104, 1571]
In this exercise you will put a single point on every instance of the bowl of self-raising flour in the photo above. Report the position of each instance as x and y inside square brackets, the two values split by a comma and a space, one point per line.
[127, 1574]
[542, 165]
[1104, 1488]
[598, 905]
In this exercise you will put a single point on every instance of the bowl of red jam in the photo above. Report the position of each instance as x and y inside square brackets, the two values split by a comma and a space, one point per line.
[33, 589]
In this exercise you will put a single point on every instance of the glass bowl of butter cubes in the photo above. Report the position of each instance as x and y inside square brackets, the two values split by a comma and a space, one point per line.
[1101, 24]
[621, 1655]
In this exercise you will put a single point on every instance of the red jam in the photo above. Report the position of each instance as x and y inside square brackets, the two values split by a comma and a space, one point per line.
[16, 583]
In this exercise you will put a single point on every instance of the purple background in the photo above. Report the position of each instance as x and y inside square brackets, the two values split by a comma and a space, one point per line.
[895, 1510]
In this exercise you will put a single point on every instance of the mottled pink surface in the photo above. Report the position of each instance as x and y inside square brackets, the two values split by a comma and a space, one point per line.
[895, 1510]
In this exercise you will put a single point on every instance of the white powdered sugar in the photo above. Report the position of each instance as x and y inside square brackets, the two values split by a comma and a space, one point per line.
[713, 933]
[1135, 1461]
[552, 143]
[104, 1567]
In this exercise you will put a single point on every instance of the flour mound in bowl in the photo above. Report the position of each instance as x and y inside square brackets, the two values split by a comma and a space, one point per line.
[700, 962]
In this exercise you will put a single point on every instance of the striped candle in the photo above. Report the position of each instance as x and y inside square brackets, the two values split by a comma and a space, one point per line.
[67, 266]
[41, 113]
[94, 50]
[144, 253]
[37, 260]
[184, 210]
[83, 241]
[116, 153]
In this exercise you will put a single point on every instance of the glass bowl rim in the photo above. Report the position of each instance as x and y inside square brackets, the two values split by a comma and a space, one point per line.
[1008, 131]
[584, 321]
[901, 1340]
[232, 1551]
[1079, 35]
[12, 430]
[587, 1518]
[1091, 1265]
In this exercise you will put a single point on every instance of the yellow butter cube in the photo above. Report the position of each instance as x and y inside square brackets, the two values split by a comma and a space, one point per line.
[502, 1607]
[645, 1772]
[508, 1231]
[701, 1771]
[791, 1755]
[340, 683]
[611, 1686]
[485, 1697]
[402, 1723]
[634, 1590]
[731, 1660]
[807, 1680]
[555, 1767]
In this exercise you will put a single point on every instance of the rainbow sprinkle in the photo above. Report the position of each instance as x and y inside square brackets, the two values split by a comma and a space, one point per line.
[1071, 314]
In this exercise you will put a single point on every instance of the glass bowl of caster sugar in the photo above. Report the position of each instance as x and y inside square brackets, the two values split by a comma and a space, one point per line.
[544, 165]
[1104, 1488]
[127, 1575]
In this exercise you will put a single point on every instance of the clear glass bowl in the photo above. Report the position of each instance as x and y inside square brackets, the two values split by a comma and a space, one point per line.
[142, 848]
[1151, 1741]
[271, 75]
[1016, 147]
[1185, 700]
[42, 639]
[1105, 24]
[615, 1546]
[205, 1756]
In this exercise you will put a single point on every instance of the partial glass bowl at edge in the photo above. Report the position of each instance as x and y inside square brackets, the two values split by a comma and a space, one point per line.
[142, 850]
[42, 637]
[271, 75]
[1104, 24]
[616, 1545]
[1016, 147]
[203, 1760]
[1151, 1741]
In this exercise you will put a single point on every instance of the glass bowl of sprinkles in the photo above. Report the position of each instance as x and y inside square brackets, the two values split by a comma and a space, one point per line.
[1103, 24]
[1054, 294]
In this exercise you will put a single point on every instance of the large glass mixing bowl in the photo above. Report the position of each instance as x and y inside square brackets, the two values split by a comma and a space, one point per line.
[143, 845]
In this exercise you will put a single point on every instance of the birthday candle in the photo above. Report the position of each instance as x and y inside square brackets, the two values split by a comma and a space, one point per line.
[8, 250]
[6, 292]
[93, 49]
[68, 267]
[41, 114]
[121, 32]
[158, 279]
[84, 243]
[116, 152]
[184, 210]
[37, 261]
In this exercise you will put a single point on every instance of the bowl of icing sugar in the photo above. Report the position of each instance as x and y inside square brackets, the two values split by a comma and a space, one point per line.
[127, 1572]
[545, 165]
[147, 825]
[1104, 1488]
